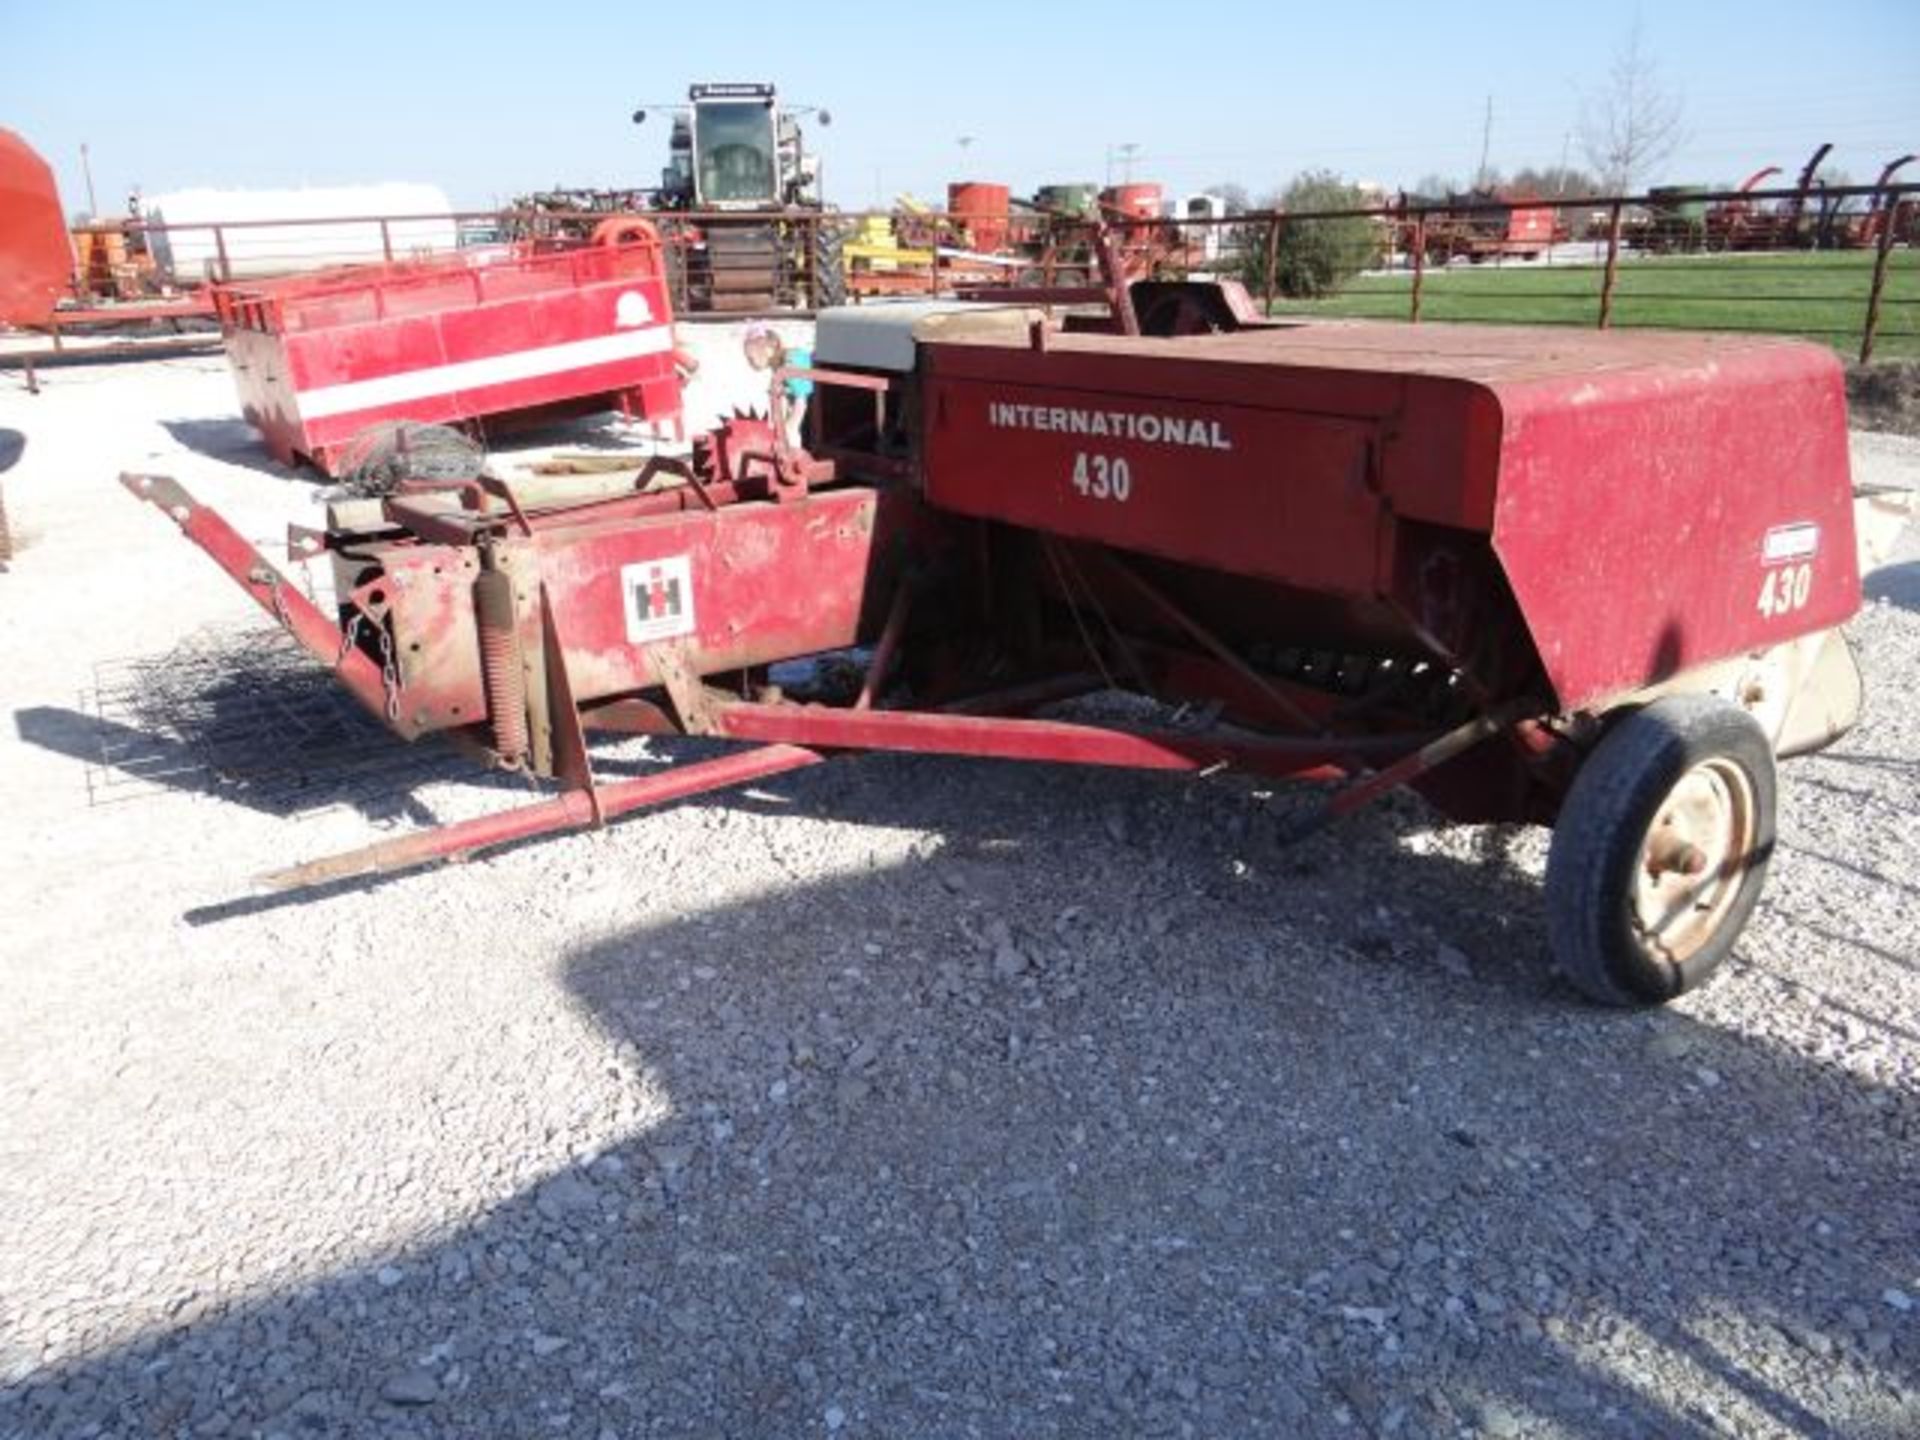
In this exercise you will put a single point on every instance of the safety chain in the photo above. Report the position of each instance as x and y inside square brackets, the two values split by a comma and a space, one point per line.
[390, 673]
[389, 668]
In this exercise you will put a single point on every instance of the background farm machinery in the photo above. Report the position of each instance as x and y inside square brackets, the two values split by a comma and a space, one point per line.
[738, 204]
[1478, 226]
[1808, 217]
[736, 159]
[988, 236]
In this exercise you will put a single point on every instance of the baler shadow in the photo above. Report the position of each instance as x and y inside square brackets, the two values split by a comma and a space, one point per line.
[1898, 764]
[131, 761]
[1200, 1157]
[1402, 900]
[1854, 794]
[1894, 957]
[1865, 872]
[1895, 584]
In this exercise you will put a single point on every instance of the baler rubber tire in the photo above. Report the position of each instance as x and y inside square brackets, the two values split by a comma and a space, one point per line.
[1601, 836]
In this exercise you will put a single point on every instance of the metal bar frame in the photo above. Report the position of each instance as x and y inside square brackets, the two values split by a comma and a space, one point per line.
[1059, 742]
[572, 810]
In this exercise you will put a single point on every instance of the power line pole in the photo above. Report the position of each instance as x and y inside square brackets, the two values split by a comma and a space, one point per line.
[86, 168]
[1486, 146]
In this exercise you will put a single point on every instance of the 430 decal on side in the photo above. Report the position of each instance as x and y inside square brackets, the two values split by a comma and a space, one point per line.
[1102, 477]
[1785, 590]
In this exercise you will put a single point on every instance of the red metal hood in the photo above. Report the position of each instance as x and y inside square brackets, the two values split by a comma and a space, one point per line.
[1642, 492]
[1658, 517]
[36, 258]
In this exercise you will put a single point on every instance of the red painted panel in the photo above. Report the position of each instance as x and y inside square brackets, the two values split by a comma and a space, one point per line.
[763, 582]
[319, 359]
[36, 258]
[1269, 493]
[1635, 510]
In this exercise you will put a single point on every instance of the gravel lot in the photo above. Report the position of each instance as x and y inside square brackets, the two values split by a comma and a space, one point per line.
[903, 1097]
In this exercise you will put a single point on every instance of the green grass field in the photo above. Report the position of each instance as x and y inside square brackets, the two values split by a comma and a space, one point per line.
[1820, 296]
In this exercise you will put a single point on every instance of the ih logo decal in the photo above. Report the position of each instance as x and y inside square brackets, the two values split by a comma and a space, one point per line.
[631, 311]
[659, 598]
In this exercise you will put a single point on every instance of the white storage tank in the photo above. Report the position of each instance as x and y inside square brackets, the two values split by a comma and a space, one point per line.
[1205, 240]
[342, 227]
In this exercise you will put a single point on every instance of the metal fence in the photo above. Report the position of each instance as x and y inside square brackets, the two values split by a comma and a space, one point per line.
[1838, 264]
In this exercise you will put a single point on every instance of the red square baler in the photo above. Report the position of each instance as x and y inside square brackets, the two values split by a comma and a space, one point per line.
[1588, 580]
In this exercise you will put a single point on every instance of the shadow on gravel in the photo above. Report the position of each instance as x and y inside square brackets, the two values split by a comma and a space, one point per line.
[243, 714]
[13, 445]
[142, 761]
[1895, 584]
[1107, 1118]
[231, 441]
[1873, 875]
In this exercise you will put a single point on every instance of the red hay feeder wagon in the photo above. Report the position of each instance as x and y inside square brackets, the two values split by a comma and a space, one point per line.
[481, 339]
[1583, 579]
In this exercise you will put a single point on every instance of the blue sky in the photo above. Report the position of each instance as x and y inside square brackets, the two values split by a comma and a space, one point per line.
[488, 101]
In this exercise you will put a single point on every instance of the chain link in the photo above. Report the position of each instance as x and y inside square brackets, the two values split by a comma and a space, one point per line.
[389, 666]
[348, 637]
[390, 673]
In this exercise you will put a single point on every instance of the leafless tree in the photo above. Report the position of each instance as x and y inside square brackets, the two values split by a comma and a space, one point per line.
[1552, 182]
[1235, 194]
[1632, 125]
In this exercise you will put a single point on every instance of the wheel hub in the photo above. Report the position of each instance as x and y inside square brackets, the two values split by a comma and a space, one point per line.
[1694, 858]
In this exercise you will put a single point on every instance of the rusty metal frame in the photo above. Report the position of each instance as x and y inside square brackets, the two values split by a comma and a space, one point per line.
[790, 736]
[786, 735]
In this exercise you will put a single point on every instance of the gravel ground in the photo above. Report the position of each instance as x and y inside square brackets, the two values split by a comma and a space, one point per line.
[905, 1097]
[1886, 395]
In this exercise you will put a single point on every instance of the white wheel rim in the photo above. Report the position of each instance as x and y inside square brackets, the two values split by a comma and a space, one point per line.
[1694, 859]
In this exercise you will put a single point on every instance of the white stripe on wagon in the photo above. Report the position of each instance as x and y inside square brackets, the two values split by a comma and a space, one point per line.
[352, 395]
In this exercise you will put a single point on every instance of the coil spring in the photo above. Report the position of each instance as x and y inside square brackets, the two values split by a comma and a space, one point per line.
[501, 677]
